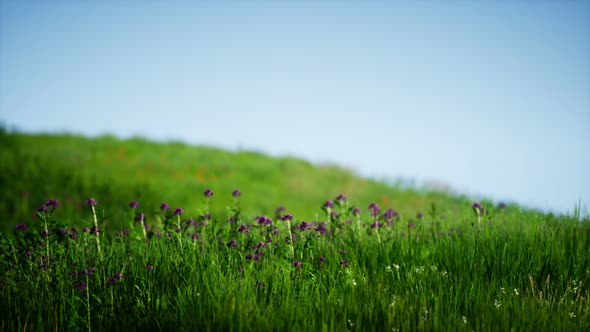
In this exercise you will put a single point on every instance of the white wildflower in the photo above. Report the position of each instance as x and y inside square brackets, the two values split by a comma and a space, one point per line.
[497, 303]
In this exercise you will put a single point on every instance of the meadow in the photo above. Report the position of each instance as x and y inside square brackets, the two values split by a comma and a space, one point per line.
[111, 246]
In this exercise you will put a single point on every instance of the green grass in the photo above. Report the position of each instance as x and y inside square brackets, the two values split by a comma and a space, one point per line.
[454, 269]
[71, 168]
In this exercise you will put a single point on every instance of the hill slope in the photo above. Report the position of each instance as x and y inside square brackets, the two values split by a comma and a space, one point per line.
[72, 168]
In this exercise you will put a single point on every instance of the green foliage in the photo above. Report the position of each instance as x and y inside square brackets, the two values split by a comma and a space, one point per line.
[451, 268]
[71, 168]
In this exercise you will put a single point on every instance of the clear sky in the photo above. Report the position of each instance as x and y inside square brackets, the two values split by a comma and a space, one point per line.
[491, 97]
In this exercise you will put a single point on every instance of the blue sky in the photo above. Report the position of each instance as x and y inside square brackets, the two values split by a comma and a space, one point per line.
[492, 98]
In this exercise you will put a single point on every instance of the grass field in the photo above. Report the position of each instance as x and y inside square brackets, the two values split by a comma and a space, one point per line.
[92, 246]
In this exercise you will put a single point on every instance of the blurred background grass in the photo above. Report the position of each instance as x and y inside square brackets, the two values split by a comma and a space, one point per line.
[115, 171]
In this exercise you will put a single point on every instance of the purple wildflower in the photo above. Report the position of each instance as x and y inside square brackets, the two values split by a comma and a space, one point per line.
[125, 231]
[328, 204]
[52, 202]
[344, 262]
[321, 228]
[256, 258]
[390, 213]
[43, 209]
[376, 224]
[91, 201]
[287, 217]
[80, 285]
[118, 275]
[249, 256]
[236, 193]
[374, 209]
[73, 273]
[340, 198]
[208, 193]
[22, 227]
[261, 245]
[243, 229]
[264, 220]
[85, 229]
[322, 259]
[149, 267]
[195, 236]
[304, 225]
[232, 244]
[297, 264]
[477, 207]
[280, 210]
[111, 281]
[133, 204]
[356, 211]
[178, 211]
[411, 224]
[45, 233]
[190, 222]
[94, 230]
[140, 217]
[63, 231]
[164, 207]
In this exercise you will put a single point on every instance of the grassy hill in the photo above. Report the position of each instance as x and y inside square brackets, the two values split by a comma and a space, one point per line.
[461, 267]
[72, 168]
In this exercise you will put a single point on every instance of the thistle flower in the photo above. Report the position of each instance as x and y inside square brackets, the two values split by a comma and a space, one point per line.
[390, 213]
[264, 220]
[164, 207]
[374, 209]
[232, 244]
[356, 211]
[477, 208]
[236, 193]
[328, 204]
[340, 198]
[304, 225]
[243, 229]
[140, 217]
[178, 211]
[411, 224]
[43, 209]
[91, 202]
[149, 267]
[261, 245]
[287, 217]
[344, 262]
[321, 228]
[297, 264]
[133, 204]
[208, 193]
[52, 202]
[22, 227]
[195, 236]
[80, 285]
